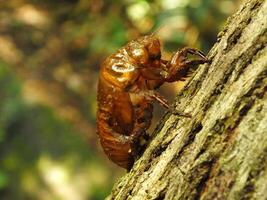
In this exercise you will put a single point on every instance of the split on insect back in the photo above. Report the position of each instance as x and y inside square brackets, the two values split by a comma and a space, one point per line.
[127, 86]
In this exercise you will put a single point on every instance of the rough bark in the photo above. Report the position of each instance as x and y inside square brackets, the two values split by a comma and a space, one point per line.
[221, 152]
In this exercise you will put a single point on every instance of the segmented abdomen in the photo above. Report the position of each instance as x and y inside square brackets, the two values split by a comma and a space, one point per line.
[115, 145]
[115, 124]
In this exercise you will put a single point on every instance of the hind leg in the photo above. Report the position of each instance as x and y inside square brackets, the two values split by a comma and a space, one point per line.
[139, 136]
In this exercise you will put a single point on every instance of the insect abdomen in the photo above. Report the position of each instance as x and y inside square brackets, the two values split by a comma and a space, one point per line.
[114, 124]
[117, 149]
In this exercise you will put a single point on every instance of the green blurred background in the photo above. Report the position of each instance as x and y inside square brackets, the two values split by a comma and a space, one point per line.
[50, 53]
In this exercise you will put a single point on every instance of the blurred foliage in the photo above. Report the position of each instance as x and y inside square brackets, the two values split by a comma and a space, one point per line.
[50, 53]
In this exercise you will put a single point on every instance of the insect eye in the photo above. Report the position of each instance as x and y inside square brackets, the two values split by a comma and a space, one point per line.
[140, 55]
[154, 49]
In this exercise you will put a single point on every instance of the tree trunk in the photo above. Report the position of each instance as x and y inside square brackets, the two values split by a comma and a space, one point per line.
[221, 152]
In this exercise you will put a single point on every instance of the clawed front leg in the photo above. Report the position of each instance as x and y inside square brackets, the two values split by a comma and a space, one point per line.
[180, 64]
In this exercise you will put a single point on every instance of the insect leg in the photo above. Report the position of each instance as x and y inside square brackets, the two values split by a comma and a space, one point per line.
[139, 136]
[162, 101]
[180, 64]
